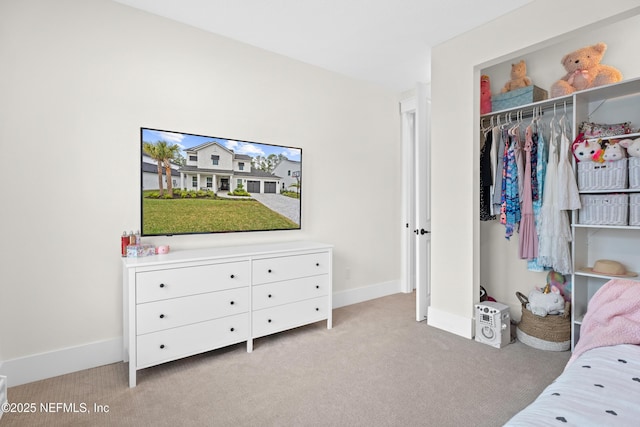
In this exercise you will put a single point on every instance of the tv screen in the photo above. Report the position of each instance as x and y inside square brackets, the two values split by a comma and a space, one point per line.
[205, 184]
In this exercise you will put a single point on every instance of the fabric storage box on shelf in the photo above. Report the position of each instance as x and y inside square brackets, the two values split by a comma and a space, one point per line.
[517, 97]
[604, 209]
[602, 176]
[634, 172]
[634, 209]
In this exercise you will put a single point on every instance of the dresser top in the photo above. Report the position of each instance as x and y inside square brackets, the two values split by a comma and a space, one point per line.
[222, 252]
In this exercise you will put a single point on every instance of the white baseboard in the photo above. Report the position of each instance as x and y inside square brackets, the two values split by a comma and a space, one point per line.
[365, 293]
[64, 361]
[59, 362]
[455, 324]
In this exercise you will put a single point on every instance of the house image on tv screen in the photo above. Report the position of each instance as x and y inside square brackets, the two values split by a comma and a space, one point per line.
[211, 166]
[150, 173]
[289, 173]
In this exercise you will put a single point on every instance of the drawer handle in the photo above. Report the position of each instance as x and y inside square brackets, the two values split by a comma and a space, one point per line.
[162, 316]
[269, 321]
[233, 329]
[269, 295]
[232, 302]
[317, 286]
[269, 271]
[317, 264]
[317, 309]
[233, 276]
[161, 346]
[162, 285]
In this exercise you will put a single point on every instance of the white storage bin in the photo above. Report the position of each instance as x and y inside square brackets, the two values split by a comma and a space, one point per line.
[634, 209]
[634, 172]
[603, 176]
[604, 209]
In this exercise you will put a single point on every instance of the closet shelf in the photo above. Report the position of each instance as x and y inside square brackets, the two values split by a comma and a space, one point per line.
[625, 136]
[602, 276]
[611, 227]
[613, 191]
[625, 88]
[545, 105]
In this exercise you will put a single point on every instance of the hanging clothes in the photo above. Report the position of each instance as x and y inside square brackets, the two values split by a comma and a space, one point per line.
[528, 243]
[486, 178]
[505, 165]
[512, 186]
[540, 172]
[498, 175]
[568, 195]
[554, 230]
[495, 138]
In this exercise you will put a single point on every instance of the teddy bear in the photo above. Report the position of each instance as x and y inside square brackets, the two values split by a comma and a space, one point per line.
[519, 77]
[585, 71]
[613, 151]
[632, 146]
[587, 150]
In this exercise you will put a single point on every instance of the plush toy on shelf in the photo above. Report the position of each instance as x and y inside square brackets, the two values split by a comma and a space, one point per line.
[587, 150]
[584, 71]
[632, 146]
[485, 94]
[613, 151]
[519, 77]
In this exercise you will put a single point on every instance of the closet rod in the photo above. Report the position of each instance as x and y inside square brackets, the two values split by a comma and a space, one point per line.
[528, 112]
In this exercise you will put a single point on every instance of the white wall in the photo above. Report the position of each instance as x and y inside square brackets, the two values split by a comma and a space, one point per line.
[78, 80]
[456, 66]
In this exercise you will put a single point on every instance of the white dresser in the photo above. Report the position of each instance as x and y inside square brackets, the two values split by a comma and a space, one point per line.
[192, 301]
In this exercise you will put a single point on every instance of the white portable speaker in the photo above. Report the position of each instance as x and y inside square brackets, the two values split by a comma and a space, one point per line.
[493, 324]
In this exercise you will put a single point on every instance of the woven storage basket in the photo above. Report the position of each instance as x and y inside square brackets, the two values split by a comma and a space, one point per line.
[603, 176]
[552, 332]
[604, 209]
[634, 209]
[634, 172]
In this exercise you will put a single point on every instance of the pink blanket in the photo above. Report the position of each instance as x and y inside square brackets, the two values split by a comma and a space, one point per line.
[613, 317]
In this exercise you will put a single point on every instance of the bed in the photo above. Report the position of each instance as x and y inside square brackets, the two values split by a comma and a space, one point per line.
[600, 386]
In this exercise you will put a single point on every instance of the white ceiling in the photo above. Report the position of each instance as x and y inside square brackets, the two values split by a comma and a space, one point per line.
[387, 42]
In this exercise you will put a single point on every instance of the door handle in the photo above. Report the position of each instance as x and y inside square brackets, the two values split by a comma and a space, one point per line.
[421, 231]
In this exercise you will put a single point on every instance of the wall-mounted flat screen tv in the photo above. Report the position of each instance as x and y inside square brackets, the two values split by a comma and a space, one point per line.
[195, 184]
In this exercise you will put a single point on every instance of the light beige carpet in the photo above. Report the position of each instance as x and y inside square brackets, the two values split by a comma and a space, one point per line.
[376, 367]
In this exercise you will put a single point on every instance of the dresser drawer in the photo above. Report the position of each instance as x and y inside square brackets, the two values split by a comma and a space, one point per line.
[179, 282]
[280, 318]
[278, 293]
[165, 314]
[174, 343]
[276, 269]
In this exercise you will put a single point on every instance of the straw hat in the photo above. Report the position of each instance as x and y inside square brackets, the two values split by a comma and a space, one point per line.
[607, 267]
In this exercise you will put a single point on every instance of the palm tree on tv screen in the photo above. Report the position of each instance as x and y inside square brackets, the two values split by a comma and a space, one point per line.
[162, 152]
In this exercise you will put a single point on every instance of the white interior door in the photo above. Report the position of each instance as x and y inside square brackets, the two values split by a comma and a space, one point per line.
[416, 198]
[408, 112]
